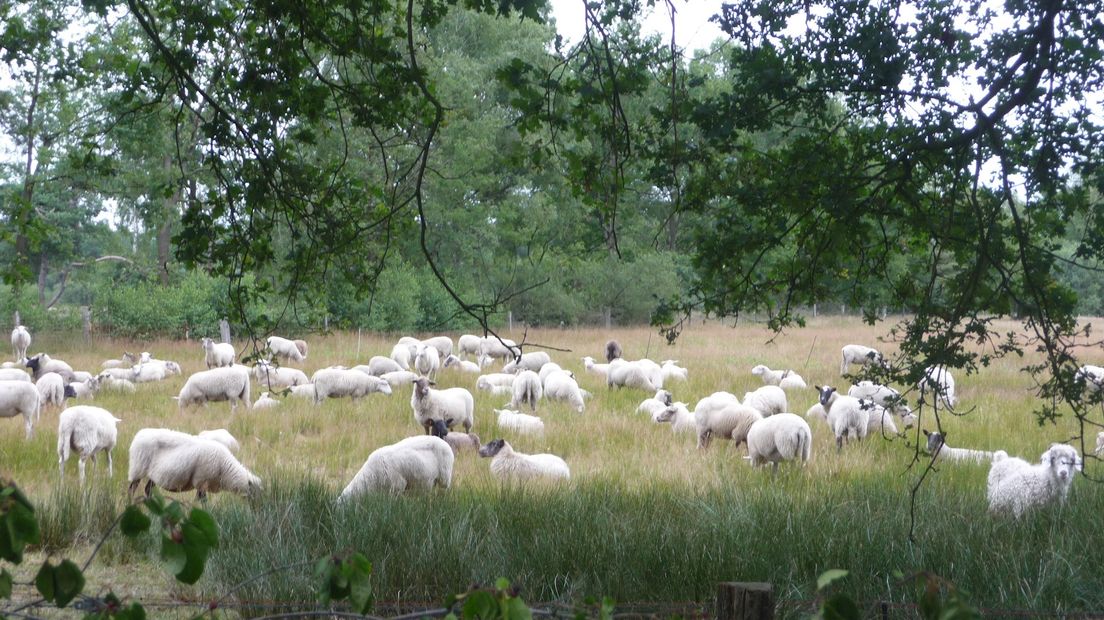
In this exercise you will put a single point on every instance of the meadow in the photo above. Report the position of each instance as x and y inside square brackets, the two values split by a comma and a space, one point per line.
[645, 517]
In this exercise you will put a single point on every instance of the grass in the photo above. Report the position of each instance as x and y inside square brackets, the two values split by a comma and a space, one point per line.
[646, 516]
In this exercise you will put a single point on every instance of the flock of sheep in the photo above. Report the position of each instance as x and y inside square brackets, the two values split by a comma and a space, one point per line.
[762, 419]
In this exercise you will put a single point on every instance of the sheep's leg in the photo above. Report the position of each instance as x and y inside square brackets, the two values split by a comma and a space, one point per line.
[28, 423]
[61, 467]
[132, 487]
[80, 468]
[839, 444]
[201, 495]
[110, 466]
[149, 487]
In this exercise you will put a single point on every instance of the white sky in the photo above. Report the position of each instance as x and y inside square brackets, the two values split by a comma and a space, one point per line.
[693, 28]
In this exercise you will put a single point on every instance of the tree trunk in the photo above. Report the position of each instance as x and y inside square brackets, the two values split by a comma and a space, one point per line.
[164, 235]
[43, 271]
[22, 244]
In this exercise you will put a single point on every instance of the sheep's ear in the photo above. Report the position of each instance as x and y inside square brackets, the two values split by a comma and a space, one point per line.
[927, 433]
[1047, 458]
[448, 421]
[431, 382]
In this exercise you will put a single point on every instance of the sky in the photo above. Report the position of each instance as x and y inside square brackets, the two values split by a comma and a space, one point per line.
[693, 28]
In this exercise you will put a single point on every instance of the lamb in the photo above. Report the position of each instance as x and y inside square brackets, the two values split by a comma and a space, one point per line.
[519, 422]
[844, 414]
[342, 382]
[399, 377]
[265, 401]
[223, 436]
[456, 441]
[454, 405]
[468, 344]
[785, 379]
[491, 347]
[21, 341]
[527, 361]
[613, 350]
[767, 400]
[20, 398]
[938, 448]
[462, 365]
[509, 465]
[109, 382]
[88, 389]
[218, 354]
[117, 373]
[1014, 485]
[86, 430]
[561, 385]
[303, 391]
[41, 364]
[630, 374]
[859, 354]
[214, 385]
[679, 416]
[427, 361]
[652, 406]
[413, 463]
[781, 437]
[939, 380]
[671, 370]
[51, 390]
[274, 377]
[177, 462]
[286, 349]
[402, 355]
[729, 422]
[14, 374]
[527, 390]
[595, 369]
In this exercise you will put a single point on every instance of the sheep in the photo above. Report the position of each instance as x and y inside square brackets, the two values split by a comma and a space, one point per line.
[178, 462]
[342, 382]
[653, 371]
[148, 373]
[767, 400]
[938, 448]
[1091, 376]
[380, 365]
[506, 464]
[878, 418]
[216, 384]
[716, 400]
[885, 396]
[1099, 443]
[286, 349]
[527, 361]
[844, 414]
[652, 406]
[218, 354]
[561, 385]
[468, 344]
[496, 380]
[492, 347]
[41, 364]
[402, 355]
[265, 401]
[519, 422]
[679, 416]
[20, 398]
[859, 354]
[274, 377]
[613, 350]
[222, 436]
[413, 463]
[671, 370]
[527, 390]
[456, 441]
[399, 377]
[939, 380]
[548, 369]
[595, 369]
[303, 391]
[14, 374]
[781, 437]
[127, 361]
[51, 390]
[21, 341]
[785, 379]
[442, 344]
[455, 405]
[427, 361]
[1014, 485]
[117, 373]
[631, 375]
[81, 376]
[462, 365]
[731, 421]
[88, 389]
[86, 430]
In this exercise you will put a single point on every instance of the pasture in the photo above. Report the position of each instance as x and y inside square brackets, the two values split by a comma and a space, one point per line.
[645, 517]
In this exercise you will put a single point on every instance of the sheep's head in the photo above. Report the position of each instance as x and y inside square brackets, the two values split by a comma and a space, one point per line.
[69, 391]
[34, 362]
[440, 428]
[759, 370]
[667, 414]
[252, 486]
[826, 394]
[421, 387]
[492, 448]
[207, 343]
[384, 387]
[664, 397]
[1063, 462]
[935, 441]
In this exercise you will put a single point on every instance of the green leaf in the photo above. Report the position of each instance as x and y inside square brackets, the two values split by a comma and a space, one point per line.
[840, 607]
[44, 581]
[828, 576]
[173, 555]
[205, 524]
[134, 521]
[516, 609]
[5, 584]
[479, 604]
[502, 583]
[68, 582]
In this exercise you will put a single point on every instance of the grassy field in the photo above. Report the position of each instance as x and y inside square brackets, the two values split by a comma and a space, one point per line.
[646, 516]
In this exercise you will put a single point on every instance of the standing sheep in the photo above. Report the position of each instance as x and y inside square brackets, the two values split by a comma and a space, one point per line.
[413, 463]
[180, 462]
[442, 344]
[14, 374]
[41, 364]
[679, 416]
[938, 379]
[767, 400]
[218, 354]
[527, 361]
[672, 371]
[379, 365]
[1014, 485]
[278, 378]
[51, 390]
[21, 341]
[602, 370]
[286, 349]
[781, 437]
[86, 430]
[468, 344]
[509, 465]
[859, 354]
[492, 347]
[785, 379]
[20, 398]
[844, 414]
[454, 405]
[560, 385]
[527, 390]
[215, 385]
[733, 421]
[427, 361]
[632, 375]
[399, 377]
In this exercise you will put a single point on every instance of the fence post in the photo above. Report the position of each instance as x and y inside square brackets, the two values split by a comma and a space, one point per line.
[609, 321]
[509, 320]
[745, 601]
[86, 322]
[17, 318]
[224, 330]
[814, 311]
[326, 323]
[843, 309]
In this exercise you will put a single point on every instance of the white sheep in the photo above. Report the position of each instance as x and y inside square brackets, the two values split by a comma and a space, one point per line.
[150, 372]
[278, 378]
[879, 420]
[427, 361]
[443, 345]
[731, 421]
[110, 383]
[1099, 443]
[413, 463]
[859, 354]
[454, 405]
[265, 401]
[679, 416]
[672, 371]
[938, 379]
[403, 355]
[716, 400]
[462, 365]
[215, 385]
[21, 341]
[527, 390]
[1091, 376]
[652, 406]
[631, 375]
[344, 382]
[42, 363]
[844, 414]
[14, 374]
[86, 430]
[303, 391]
[88, 389]
[178, 462]
[51, 390]
[399, 377]
[785, 379]
[20, 398]
[287, 349]
[561, 385]
[492, 347]
[595, 369]
[937, 447]
[81, 375]
[127, 361]
[518, 422]
[496, 383]
[468, 344]
[223, 436]
[218, 354]
[379, 365]
[506, 464]
[117, 373]
[781, 437]
[527, 361]
[1014, 485]
[767, 400]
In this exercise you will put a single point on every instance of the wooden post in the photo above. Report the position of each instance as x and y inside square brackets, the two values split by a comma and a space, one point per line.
[609, 321]
[17, 321]
[843, 309]
[224, 330]
[86, 322]
[814, 311]
[745, 601]
[510, 320]
[326, 323]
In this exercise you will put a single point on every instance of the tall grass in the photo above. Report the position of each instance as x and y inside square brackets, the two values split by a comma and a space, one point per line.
[646, 516]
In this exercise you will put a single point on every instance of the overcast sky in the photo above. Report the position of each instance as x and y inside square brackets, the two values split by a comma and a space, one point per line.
[694, 30]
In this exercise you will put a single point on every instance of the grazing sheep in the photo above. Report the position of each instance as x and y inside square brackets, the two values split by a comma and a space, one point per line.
[785, 379]
[41, 364]
[679, 416]
[427, 361]
[20, 398]
[548, 369]
[215, 385]
[14, 374]
[85, 430]
[560, 385]
[403, 355]
[457, 441]
[51, 390]
[937, 447]
[939, 380]
[781, 437]
[527, 390]
[223, 436]
[613, 350]
[716, 400]
[491, 347]
[303, 391]
[844, 414]
[528, 361]
[265, 401]
[767, 400]
[127, 361]
[652, 406]
[468, 344]
[595, 369]
[81, 376]
[379, 365]
[454, 405]
[1014, 485]
[344, 382]
[399, 377]
[278, 378]
[518, 422]
[21, 341]
[731, 421]
[413, 463]
[287, 349]
[630, 374]
[88, 389]
[671, 370]
[179, 462]
[1091, 376]
[462, 365]
[506, 464]
[442, 344]
[859, 354]
[218, 354]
